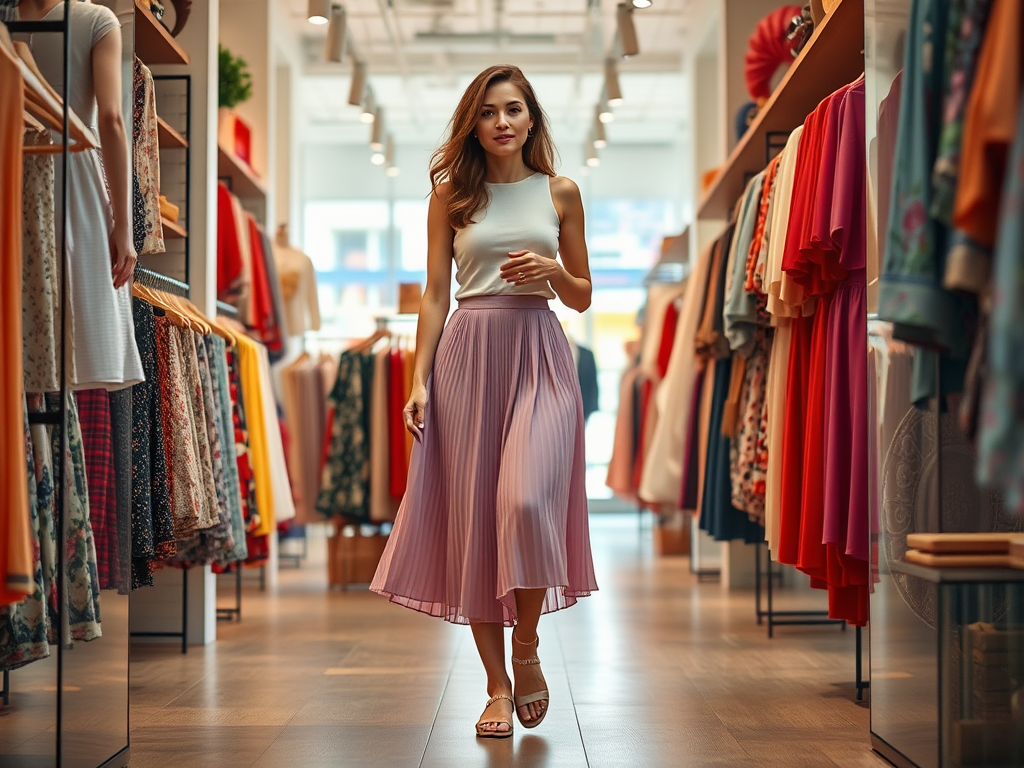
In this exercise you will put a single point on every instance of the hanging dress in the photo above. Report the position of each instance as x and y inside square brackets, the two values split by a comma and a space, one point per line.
[105, 354]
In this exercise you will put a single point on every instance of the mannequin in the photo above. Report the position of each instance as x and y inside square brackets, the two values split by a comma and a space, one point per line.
[298, 285]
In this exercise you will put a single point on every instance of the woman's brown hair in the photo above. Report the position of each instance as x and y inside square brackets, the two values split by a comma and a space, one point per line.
[460, 160]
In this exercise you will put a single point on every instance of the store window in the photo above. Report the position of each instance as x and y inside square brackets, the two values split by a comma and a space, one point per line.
[362, 250]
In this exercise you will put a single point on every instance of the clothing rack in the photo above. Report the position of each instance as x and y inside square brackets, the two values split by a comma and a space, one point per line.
[781, 618]
[155, 280]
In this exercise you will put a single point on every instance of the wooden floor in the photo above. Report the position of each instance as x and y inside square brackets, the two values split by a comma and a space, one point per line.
[653, 670]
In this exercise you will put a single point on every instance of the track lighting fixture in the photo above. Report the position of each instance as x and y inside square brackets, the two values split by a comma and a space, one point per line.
[591, 153]
[628, 42]
[355, 93]
[318, 11]
[389, 157]
[604, 112]
[642, 3]
[369, 108]
[611, 82]
[377, 134]
[599, 134]
[336, 35]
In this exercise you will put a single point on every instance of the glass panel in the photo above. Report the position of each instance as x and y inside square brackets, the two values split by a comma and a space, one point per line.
[94, 719]
[904, 460]
[983, 674]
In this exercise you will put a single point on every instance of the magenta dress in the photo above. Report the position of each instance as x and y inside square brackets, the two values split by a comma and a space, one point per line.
[846, 461]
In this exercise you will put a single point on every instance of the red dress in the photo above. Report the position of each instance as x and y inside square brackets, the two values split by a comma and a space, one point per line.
[808, 269]
[795, 449]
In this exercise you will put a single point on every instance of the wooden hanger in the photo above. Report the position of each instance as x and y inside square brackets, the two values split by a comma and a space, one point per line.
[156, 298]
[367, 344]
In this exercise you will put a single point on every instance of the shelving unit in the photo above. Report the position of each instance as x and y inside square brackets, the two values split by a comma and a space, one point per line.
[172, 231]
[168, 137]
[833, 57]
[243, 180]
[153, 43]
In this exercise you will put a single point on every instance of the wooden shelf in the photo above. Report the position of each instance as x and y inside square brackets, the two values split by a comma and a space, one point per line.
[244, 181]
[168, 138]
[153, 43]
[833, 57]
[172, 231]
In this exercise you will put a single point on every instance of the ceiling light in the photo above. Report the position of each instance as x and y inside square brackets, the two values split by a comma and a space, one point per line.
[377, 158]
[642, 3]
[604, 112]
[393, 171]
[377, 135]
[336, 35]
[389, 151]
[611, 82]
[355, 93]
[591, 154]
[318, 11]
[628, 42]
[599, 134]
[369, 105]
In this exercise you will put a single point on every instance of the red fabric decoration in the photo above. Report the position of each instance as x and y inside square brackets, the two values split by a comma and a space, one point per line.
[767, 50]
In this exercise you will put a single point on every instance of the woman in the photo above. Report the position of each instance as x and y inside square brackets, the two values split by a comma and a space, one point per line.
[493, 529]
[100, 251]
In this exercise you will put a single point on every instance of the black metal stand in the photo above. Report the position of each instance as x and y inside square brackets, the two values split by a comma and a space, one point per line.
[782, 618]
[235, 613]
[861, 683]
[183, 634]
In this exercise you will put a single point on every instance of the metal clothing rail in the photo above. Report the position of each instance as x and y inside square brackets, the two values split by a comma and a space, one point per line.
[155, 280]
[228, 310]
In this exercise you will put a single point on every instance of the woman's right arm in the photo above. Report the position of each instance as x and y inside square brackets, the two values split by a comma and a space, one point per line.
[433, 307]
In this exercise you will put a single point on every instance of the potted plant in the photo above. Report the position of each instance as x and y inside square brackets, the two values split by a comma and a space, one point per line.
[234, 88]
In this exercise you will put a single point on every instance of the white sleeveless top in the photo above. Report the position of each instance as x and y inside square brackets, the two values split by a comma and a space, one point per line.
[521, 216]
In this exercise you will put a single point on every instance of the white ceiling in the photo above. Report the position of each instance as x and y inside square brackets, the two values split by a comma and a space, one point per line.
[421, 54]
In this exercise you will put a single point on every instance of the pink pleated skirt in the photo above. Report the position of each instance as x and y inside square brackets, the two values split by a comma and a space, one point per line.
[496, 499]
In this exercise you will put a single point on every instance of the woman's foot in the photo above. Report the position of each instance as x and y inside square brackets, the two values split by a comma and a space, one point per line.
[531, 695]
[496, 720]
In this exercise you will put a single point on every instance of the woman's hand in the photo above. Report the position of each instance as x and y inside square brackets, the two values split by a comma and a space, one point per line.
[122, 255]
[525, 267]
[415, 410]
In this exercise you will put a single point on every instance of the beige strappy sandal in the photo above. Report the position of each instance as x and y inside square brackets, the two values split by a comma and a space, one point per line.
[530, 698]
[485, 734]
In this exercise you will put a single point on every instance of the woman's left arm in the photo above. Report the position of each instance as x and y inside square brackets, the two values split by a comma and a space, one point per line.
[570, 280]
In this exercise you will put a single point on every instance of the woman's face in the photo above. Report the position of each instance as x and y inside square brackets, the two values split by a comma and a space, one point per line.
[504, 122]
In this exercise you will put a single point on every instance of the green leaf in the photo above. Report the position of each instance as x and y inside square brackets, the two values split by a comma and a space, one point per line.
[235, 81]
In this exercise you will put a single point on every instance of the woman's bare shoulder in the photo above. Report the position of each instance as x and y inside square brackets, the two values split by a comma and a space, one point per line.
[565, 191]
